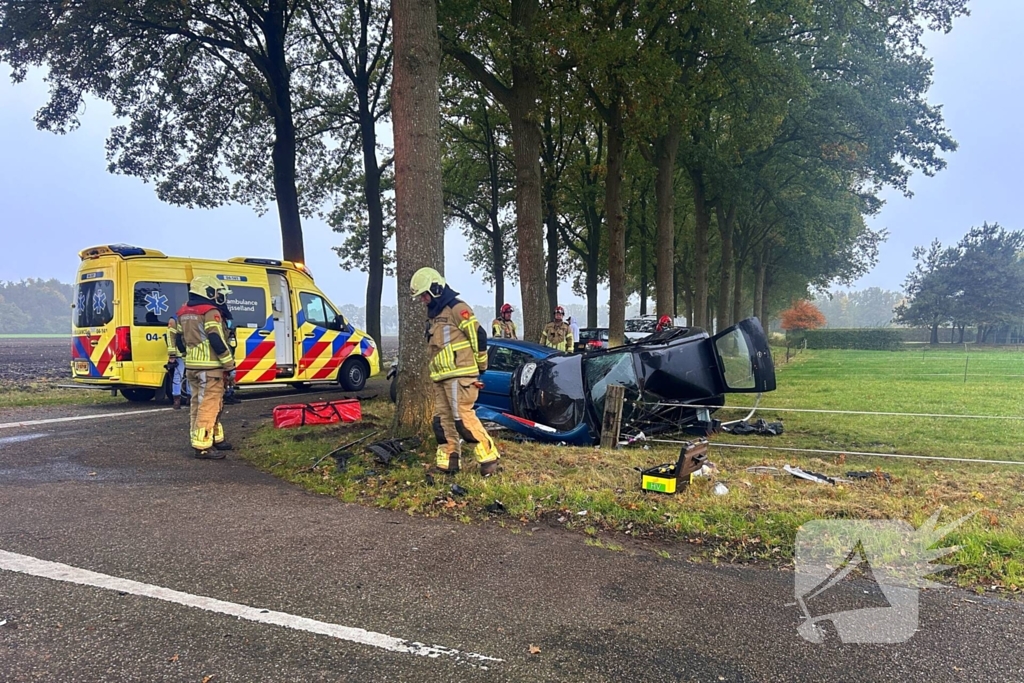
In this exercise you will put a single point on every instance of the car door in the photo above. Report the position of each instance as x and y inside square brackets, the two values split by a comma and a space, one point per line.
[501, 363]
[326, 338]
[744, 358]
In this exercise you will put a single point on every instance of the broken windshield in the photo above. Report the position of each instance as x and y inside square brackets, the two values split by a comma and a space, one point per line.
[612, 368]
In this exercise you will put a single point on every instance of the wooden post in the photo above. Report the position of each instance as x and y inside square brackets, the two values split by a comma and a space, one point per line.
[612, 422]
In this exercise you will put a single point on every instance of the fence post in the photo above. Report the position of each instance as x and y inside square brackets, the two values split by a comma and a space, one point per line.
[612, 423]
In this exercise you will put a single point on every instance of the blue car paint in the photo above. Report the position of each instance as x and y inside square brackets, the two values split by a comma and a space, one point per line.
[494, 403]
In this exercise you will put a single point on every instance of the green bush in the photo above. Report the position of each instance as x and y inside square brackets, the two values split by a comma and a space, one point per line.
[877, 339]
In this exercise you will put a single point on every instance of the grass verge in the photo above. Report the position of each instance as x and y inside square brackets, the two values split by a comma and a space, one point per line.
[21, 394]
[597, 494]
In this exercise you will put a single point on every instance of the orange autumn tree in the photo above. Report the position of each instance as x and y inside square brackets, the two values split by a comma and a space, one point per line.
[803, 315]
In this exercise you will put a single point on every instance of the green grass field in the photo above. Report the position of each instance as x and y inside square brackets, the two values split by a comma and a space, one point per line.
[43, 394]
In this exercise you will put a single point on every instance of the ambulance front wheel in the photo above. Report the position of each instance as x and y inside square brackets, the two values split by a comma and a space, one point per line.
[353, 374]
[138, 395]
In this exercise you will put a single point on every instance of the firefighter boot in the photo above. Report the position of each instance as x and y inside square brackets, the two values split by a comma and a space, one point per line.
[177, 402]
[488, 469]
[447, 463]
[218, 438]
[208, 454]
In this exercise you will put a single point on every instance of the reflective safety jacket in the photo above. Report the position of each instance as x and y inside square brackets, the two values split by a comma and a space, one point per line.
[557, 335]
[173, 332]
[457, 343]
[202, 328]
[503, 329]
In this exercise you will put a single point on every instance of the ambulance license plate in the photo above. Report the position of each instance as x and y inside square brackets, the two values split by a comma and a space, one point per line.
[81, 367]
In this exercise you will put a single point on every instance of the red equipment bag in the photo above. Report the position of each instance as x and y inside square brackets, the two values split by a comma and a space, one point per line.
[325, 412]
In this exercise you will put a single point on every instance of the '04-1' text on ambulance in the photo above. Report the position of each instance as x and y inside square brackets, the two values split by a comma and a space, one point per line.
[287, 331]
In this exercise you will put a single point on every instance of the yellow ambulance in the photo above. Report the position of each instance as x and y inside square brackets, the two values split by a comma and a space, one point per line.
[287, 330]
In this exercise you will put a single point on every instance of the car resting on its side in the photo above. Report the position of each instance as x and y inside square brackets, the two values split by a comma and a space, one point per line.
[560, 397]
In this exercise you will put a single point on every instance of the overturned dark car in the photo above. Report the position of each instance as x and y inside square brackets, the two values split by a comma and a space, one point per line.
[673, 380]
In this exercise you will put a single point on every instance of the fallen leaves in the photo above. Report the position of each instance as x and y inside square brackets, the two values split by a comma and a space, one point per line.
[534, 650]
[173, 659]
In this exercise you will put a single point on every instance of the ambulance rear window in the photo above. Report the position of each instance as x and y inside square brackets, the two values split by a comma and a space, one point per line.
[156, 302]
[94, 303]
[248, 306]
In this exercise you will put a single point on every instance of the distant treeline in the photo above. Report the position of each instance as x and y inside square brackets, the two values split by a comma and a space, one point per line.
[35, 307]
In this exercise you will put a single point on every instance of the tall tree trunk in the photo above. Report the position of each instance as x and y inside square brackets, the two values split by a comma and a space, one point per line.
[664, 193]
[934, 337]
[726, 222]
[737, 293]
[616, 229]
[643, 276]
[759, 272]
[702, 218]
[552, 253]
[375, 219]
[283, 153]
[498, 262]
[526, 149]
[591, 276]
[419, 226]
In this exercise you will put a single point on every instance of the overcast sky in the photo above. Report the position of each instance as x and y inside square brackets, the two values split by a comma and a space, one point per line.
[57, 198]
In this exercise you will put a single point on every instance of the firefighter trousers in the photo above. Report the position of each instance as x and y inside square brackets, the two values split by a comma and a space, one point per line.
[455, 421]
[207, 403]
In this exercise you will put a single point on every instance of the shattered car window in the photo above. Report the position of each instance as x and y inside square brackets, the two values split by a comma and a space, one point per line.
[616, 368]
[641, 324]
[736, 361]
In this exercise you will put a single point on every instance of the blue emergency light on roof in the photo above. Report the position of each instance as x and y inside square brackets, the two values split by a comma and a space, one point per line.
[262, 261]
[126, 250]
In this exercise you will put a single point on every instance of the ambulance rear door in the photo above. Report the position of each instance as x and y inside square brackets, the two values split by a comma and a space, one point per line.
[99, 342]
[156, 290]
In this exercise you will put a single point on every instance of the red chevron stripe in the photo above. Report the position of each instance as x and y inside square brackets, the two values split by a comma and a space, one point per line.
[105, 359]
[315, 352]
[344, 352]
[268, 375]
[253, 359]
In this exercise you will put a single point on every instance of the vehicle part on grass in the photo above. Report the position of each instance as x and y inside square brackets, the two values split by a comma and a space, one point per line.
[761, 427]
[341, 459]
[810, 476]
[429, 479]
[764, 470]
[343, 447]
[458, 490]
[390, 449]
[496, 508]
[873, 474]
[720, 489]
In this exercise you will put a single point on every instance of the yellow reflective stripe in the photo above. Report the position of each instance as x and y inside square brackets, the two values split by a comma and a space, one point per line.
[457, 372]
[468, 327]
[211, 325]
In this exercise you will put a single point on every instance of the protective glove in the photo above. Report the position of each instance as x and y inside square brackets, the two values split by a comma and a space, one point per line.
[229, 378]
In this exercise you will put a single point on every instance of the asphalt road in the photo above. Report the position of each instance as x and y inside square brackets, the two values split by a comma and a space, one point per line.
[121, 496]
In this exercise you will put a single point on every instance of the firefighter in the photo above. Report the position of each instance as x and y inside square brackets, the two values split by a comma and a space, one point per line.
[503, 326]
[209, 363]
[664, 323]
[557, 334]
[457, 346]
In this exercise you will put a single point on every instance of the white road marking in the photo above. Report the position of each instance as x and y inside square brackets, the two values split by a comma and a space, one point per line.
[32, 423]
[32, 566]
[22, 437]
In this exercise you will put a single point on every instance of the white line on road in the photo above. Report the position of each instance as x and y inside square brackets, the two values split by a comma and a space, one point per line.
[62, 572]
[32, 423]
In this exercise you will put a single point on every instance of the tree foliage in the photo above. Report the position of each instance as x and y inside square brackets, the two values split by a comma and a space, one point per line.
[802, 315]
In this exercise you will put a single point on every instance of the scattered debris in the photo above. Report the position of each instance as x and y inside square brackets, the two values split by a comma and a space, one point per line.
[458, 490]
[390, 449]
[761, 427]
[496, 508]
[720, 489]
[708, 470]
[765, 470]
[429, 478]
[582, 513]
[669, 477]
[875, 474]
[342, 448]
[810, 476]
[534, 650]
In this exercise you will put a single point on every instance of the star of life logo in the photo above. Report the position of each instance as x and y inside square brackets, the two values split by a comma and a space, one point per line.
[156, 303]
[99, 301]
[889, 560]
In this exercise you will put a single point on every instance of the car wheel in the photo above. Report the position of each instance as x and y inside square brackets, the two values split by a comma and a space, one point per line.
[353, 373]
[138, 395]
